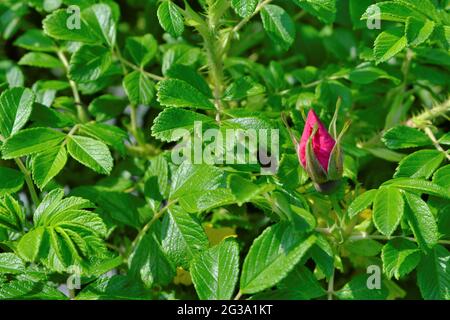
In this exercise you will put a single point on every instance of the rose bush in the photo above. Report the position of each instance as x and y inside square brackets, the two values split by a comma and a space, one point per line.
[339, 108]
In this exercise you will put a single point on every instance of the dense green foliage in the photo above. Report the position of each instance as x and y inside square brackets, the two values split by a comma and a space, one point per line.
[91, 100]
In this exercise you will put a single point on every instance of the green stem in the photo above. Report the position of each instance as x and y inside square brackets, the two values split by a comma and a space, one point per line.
[135, 130]
[116, 51]
[330, 290]
[337, 208]
[147, 227]
[361, 236]
[82, 115]
[238, 296]
[215, 64]
[27, 177]
[135, 67]
[422, 120]
[435, 142]
[28, 181]
[242, 23]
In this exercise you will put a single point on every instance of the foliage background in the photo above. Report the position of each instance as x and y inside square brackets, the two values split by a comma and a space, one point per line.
[86, 182]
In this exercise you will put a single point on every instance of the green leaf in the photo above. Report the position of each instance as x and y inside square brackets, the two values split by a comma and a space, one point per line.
[139, 88]
[46, 165]
[418, 31]
[322, 254]
[215, 272]
[170, 18]
[290, 172]
[40, 60]
[357, 289]
[207, 200]
[420, 164]
[301, 284]
[100, 19]
[189, 75]
[107, 107]
[366, 74]
[119, 207]
[108, 134]
[400, 137]
[387, 210]
[419, 185]
[244, 8]
[31, 141]
[35, 40]
[64, 233]
[278, 25]
[43, 116]
[423, 7]
[442, 177]
[172, 123]
[433, 276]
[10, 263]
[242, 88]
[63, 25]
[243, 189]
[400, 257]
[12, 216]
[149, 263]
[141, 49]
[361, 202]
[272, 255]
[117, 287]
[91, 153]
[364, 247]
[11, 180]
[183, 237]
[15, 109]
[421, 221]
[178, 93]
[89, 63]
[392, 11]
[191, 179]
[29, 245]
[445, 139]
[325, 10]
[388, 44]
[28, 290]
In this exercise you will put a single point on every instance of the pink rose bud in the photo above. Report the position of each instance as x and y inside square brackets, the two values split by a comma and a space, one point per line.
[322, 142]
[320, 154]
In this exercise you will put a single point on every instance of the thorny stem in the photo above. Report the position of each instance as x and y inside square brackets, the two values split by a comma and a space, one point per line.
[28, 180]
[215, 63]
[361, 236]
[82, 116]
[423, 120]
